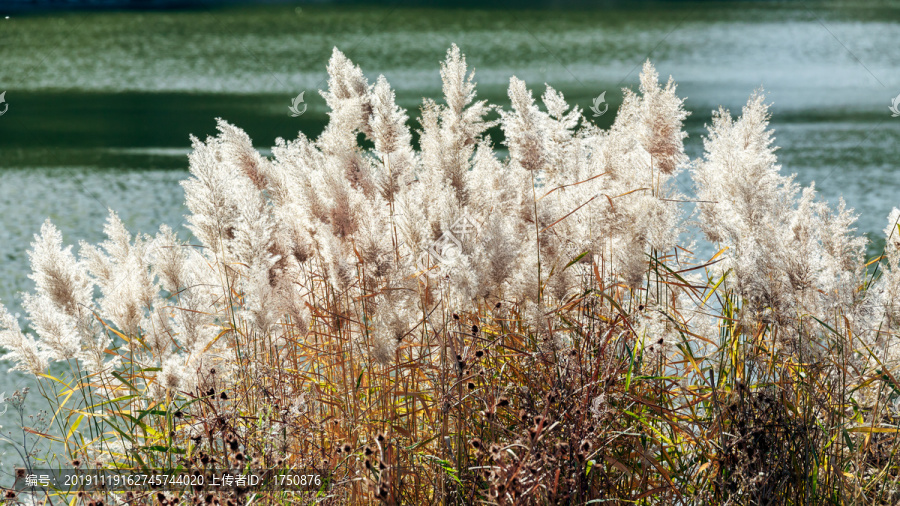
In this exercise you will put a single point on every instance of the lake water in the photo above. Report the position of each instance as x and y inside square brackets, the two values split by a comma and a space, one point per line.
[101, 104]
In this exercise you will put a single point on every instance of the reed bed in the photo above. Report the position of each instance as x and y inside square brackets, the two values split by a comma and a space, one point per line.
[440, 326]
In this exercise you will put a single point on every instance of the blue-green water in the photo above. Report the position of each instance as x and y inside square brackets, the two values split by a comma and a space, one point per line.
[101, 104]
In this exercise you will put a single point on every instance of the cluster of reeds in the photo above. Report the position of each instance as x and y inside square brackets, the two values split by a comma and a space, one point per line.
[438, 325]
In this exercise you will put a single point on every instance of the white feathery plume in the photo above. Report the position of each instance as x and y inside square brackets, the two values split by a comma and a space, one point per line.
[57, 330]
[348, 89]
[171, 379]
[209, 194]
[158, 330]
[392, 141]
[124, 276]
[787, 253]
[448, 138]
[22, 350]
[349, 98]
[523, 128]
[167, 256]
[61, 309]
[197, 305]
[745, 197]
[57, 275]
[663, 116]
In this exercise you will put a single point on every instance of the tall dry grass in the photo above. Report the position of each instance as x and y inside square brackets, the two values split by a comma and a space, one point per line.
[585, 360]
